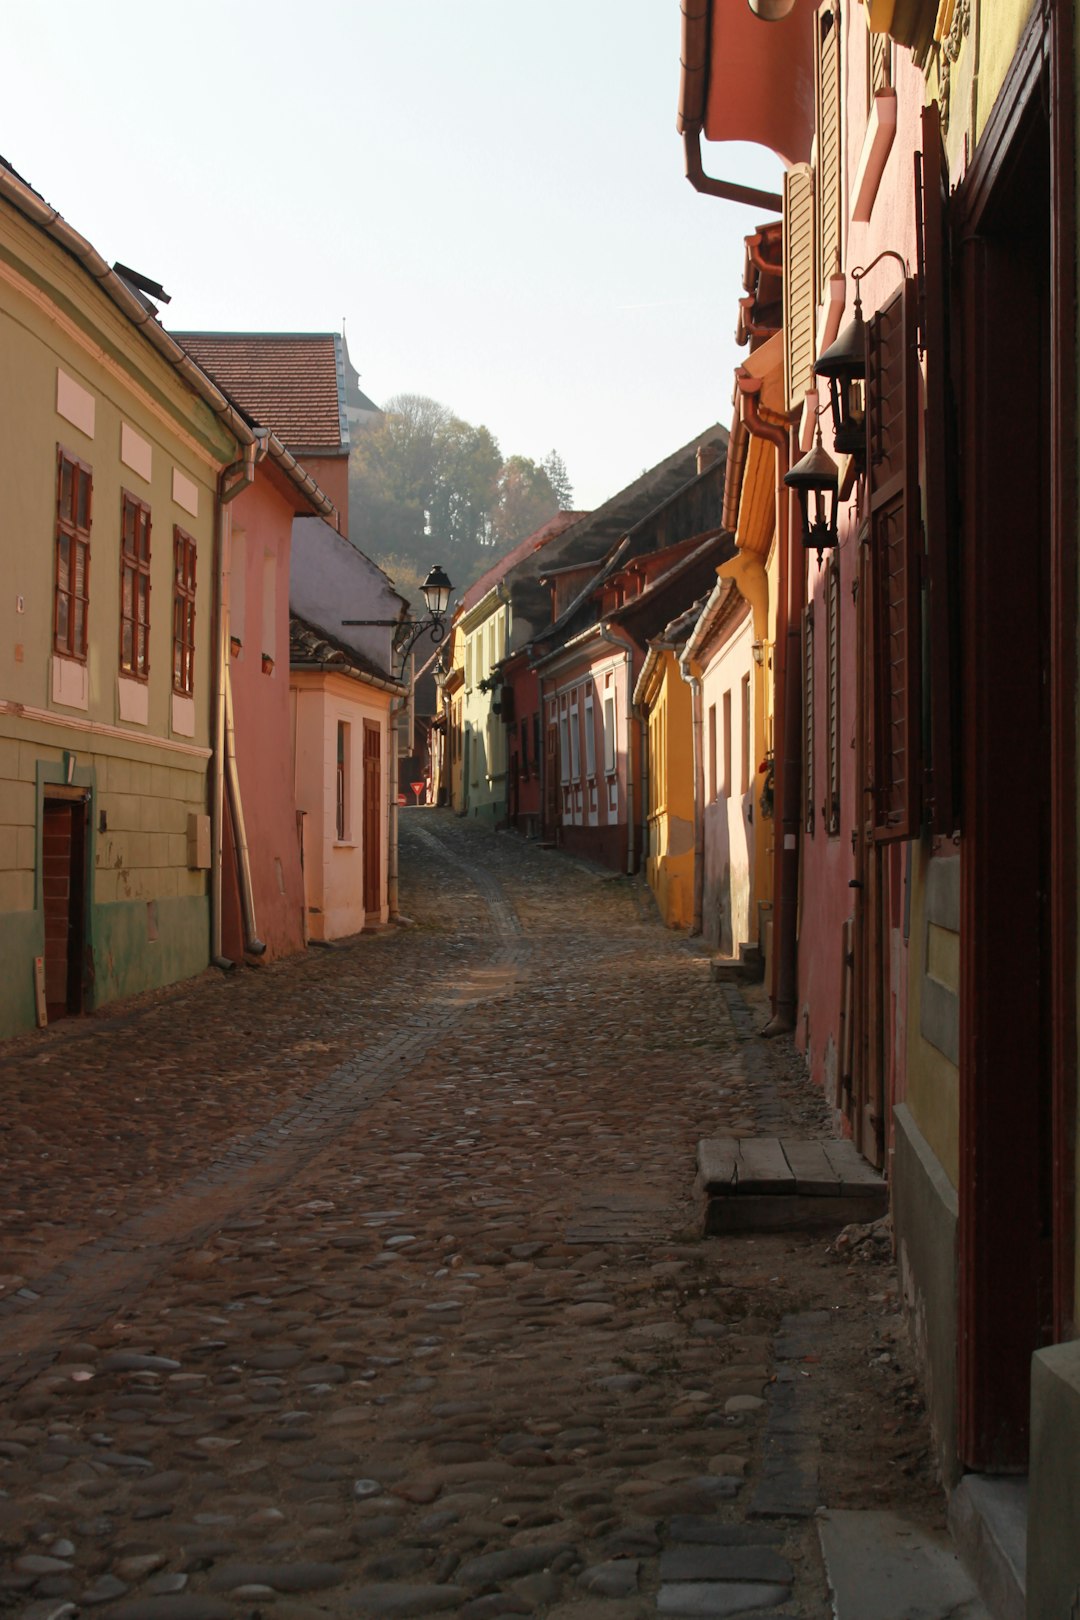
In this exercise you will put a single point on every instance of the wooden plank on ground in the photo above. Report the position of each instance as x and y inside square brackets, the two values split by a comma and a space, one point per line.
[718, 1163]
[855, 1174]
[763, 1167]
[814, 1175]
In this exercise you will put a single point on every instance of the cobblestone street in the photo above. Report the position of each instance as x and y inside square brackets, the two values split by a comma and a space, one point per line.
[372, 1283]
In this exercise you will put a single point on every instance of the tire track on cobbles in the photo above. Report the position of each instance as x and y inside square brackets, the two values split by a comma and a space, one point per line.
[97, 1278]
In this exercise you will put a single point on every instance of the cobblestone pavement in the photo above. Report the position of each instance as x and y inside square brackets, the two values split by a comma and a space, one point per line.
[371, 1284]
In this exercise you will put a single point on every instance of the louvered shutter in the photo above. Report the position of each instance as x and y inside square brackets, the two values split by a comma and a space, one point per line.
[829, 111]
[892, 476]
[832, 696]
[799, 298]
[932, 199]
[808, 718]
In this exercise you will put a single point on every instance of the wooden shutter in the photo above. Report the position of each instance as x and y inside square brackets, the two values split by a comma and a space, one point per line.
[829, 111]
[831, 809]
[895, 543]
[932, 214]
[800, 303]
[808, 718]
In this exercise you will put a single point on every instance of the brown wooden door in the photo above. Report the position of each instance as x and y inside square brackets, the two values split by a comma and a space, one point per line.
[373, 799]
[63, 885]
[863, 1083]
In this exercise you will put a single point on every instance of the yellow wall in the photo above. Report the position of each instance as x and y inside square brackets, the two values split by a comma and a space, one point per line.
[669, 869]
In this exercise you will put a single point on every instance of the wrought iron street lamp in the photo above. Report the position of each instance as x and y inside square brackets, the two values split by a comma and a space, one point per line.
[844, 364]
[816, 475]
[436, 591]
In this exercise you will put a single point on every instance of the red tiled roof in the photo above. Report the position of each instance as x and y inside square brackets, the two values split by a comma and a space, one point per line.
[288, 381]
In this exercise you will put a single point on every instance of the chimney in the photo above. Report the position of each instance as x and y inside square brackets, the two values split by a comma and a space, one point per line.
[708, 455]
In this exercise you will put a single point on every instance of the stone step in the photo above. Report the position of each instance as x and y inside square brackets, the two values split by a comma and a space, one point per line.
[769, 1183]
[988, 1519]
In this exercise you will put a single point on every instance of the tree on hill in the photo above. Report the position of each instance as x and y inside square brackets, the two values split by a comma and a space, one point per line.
[425, 487]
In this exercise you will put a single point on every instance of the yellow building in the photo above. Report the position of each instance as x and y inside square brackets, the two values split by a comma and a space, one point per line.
[113, 448]
[663, 700]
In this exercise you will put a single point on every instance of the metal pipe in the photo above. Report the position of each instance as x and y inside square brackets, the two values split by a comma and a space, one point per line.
[252, 942]
[727, 190]
[232, 480]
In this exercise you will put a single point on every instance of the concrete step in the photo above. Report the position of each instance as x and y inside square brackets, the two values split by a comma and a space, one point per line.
[988, 1520]
[883, 1567]
[747, 966]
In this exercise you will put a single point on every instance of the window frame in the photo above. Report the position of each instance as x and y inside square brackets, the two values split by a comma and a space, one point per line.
[184, 611]
[78, 538]
[135, 562]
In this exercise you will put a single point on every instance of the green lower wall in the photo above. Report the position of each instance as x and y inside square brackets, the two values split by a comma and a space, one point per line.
[22, 937]
[127, 960]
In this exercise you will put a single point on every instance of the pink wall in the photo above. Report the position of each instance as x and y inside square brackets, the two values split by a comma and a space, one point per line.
[259, 590]
[828, 862]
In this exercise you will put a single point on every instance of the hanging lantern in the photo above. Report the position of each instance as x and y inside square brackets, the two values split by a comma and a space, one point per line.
[816, 481]
[844, 364]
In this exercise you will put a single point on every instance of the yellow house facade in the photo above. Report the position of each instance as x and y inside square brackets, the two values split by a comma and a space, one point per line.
[113, 448]
[662, 698]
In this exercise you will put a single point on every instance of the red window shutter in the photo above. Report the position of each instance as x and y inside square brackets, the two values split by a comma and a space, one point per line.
[932, 199]
[892, 392]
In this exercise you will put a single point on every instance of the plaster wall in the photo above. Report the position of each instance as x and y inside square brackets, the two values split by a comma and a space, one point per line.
[669, 867]
[596, 812]
[486, 638]
[731, 820]
[1053, 1548]
[261, 539]
[78, 375]
[334, 866]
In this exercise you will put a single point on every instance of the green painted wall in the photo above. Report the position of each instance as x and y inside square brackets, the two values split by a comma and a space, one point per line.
[127, 960]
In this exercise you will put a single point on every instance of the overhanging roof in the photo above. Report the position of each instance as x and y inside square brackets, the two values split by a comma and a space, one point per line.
[747, 80]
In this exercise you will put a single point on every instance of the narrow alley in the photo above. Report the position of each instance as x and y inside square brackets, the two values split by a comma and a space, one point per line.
[330, 1291]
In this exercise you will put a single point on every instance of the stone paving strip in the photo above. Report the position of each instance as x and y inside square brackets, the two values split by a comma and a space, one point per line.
[462, 1348]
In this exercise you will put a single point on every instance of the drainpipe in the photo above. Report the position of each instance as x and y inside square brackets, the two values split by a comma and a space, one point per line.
[790, 592]
[727, 190]
[232, 481]
[393, 764]
[252, 943]
[694, 683]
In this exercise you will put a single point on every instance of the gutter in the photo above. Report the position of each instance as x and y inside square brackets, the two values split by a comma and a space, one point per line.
[696, 60]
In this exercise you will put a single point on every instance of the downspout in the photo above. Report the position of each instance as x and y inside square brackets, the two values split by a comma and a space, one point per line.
[694, 683]
[232, 481]
[631, 828]
[393, 764]
[727, 190]
[252, 943]
[790, 591]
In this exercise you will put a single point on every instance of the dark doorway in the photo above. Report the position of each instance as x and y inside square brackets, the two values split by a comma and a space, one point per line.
[1009, 460]
[63, 890]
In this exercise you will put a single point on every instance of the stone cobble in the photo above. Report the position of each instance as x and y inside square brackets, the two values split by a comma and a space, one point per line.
[371, 1283]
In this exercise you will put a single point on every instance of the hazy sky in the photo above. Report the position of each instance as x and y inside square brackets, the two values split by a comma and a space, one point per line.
[489, 192]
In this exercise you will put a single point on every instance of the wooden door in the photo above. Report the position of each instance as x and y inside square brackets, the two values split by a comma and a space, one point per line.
[63, 886]
[373, 804]
[864, 1079]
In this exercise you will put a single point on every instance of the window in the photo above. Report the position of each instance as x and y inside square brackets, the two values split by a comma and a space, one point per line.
[590, 737]
[879, 74]
[575, 738]
[525, 749]
[727, 744]
[536, 741]
[183, 613]
[800, 297]
[238, 586]
[135, 588]
[713, 776]
[745, 773]
[832, 697]
[74, 493]
[564, 743]
[609, 733]
[342, 825]
[269, 606]
[808, 719]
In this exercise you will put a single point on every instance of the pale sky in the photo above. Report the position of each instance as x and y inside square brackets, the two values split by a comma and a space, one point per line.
[489, 192]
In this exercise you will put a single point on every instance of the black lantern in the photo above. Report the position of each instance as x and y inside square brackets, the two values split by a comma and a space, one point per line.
[436, 592]
[816, 475]
[844, 364]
